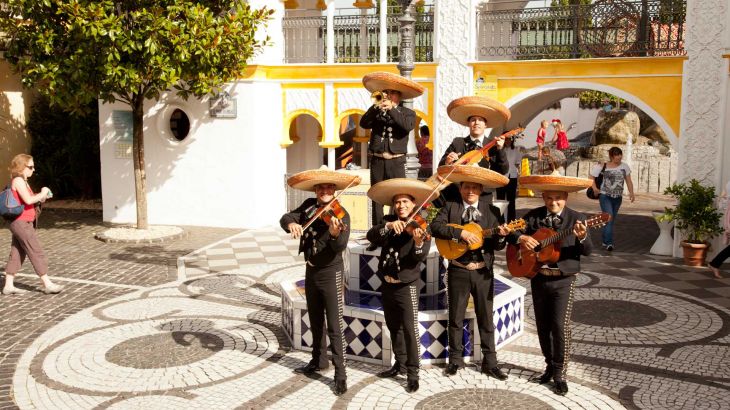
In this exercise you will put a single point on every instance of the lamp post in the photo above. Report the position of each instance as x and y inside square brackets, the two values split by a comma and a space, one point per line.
[406, 66]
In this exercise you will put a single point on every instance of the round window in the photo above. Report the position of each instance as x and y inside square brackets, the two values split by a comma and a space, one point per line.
[179, 124]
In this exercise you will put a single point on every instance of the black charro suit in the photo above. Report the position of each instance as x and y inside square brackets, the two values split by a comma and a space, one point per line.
[497, 162]
[462, 282]
[400, 259]
[322, 283]
[552, 296]
[389, 134]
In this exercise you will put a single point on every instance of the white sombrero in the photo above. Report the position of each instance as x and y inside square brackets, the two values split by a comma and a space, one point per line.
[473, 173]
[306, 180]
[381, 80]
[461, 109]
[383, 192]
[554, 183]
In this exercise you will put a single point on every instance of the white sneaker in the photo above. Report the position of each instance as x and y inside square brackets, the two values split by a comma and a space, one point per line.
[53, 289]
[13, 291]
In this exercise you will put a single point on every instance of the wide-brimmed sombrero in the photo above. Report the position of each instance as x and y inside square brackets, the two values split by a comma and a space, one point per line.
[554, 183]
[461, 109]
[306, 180]
[383, 192]
[381, 80]
[473, 173]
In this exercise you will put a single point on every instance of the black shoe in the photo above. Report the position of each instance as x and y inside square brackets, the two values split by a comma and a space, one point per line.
[495, 372]
[543, 378]
[371, 247]
[340, 387]
[561, 387]
[412, 386]
[451, 369]
[392, 372]
[310, 368]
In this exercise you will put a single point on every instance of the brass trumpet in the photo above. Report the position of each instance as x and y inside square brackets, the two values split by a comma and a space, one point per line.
[378, 96]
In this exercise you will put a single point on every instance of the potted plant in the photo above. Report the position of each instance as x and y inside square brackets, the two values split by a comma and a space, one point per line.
[696, 218]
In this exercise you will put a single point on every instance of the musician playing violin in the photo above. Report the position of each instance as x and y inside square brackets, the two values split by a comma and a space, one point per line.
[554, 284]
[404, 245]
[472, 273]
[322, 244]
[478, 114]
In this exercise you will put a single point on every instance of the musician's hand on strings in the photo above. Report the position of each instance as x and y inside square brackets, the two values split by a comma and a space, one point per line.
[500, 141]
[469, 237]
[580, 230]
[503, 230]
[397, 226]
[295, 230]
[529, 242]
[451, 158]
[419, 236]
[336, 226]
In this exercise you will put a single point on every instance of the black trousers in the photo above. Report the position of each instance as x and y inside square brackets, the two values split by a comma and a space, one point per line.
[382, 169]
[323, 290]
[552, 300]
[480, 285]
[400, 307]
[720, 257]
[509, 193]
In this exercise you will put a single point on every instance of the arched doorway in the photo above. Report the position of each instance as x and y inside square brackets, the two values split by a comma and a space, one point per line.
[305, 153]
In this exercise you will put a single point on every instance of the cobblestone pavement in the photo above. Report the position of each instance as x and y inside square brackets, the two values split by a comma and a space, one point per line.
[124, 335]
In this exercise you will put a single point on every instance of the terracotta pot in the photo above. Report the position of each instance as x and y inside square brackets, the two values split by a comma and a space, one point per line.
[695, 254]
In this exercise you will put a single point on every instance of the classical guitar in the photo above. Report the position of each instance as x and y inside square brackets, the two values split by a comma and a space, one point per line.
[522, 262]
[451, 249]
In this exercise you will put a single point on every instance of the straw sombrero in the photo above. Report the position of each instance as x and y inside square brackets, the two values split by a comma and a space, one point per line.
[383, 192]
[473, 173]
[381, 80]
[494, 111]
[554, 183]
[306, 180]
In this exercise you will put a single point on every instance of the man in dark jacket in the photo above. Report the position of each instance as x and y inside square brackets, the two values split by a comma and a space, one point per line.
[391, 124]
[472, 273]
[322, 244]
[403, 248]
[554, 284]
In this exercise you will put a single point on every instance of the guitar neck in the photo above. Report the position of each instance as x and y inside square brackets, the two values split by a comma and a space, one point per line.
[562, 235]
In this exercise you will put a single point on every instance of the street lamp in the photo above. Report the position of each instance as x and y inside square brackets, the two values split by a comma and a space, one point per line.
[406, 24]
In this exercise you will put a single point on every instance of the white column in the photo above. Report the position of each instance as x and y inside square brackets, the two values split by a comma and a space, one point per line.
[364, 49]
[330, 31]
[453, 75]
[383, 31]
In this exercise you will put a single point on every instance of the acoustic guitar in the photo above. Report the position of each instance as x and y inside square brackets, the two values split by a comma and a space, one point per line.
[450, 249]
[522, 262]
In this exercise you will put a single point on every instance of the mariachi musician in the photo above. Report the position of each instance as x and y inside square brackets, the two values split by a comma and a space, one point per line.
[391, 124]
[477, 113]
[322, 240]
[554, 283]
[404, 243]
[472, 273]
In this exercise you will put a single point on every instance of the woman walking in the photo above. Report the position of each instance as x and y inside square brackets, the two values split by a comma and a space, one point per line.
[25, 239]
[615, 173]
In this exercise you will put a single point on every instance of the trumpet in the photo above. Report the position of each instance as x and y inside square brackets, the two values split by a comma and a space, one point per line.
[378, 96]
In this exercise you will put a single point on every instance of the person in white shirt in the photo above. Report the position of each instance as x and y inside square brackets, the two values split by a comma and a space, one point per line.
[509, 192]
[615, 173]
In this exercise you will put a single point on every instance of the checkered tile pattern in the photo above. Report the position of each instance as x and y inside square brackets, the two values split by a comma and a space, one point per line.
[363, 275]
[435, 338]
[508, 320]
[364, 337]
[306, 331]
[287, 315]
[369, 281]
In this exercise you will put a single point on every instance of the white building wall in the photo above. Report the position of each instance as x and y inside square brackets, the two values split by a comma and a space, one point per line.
[227, 173]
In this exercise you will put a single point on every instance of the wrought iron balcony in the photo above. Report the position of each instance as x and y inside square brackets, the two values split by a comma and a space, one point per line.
[357, 37]
[606, 28]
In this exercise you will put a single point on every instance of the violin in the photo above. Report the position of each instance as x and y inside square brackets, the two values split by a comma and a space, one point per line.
[326, 212]
[472, 157]
[417, 221]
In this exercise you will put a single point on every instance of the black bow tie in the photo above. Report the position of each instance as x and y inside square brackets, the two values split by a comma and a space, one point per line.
[471, 214]
[553, 220]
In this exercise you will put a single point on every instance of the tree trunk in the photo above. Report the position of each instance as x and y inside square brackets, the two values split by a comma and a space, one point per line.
[140, 179]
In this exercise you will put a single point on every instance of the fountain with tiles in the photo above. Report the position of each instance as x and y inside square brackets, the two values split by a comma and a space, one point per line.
[366, 334]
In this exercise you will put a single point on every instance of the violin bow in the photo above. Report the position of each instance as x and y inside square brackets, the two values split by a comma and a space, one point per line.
[326, 207]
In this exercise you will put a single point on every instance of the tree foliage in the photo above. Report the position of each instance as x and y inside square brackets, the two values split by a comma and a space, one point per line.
[77, 51]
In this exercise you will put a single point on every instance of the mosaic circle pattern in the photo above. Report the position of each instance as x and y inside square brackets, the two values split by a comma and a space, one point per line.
[615, 313]
[165, 350]
[477, 399]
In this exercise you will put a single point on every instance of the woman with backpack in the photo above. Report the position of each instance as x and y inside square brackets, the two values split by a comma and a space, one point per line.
[615, 173]
[25, 240]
